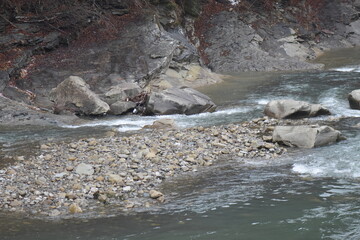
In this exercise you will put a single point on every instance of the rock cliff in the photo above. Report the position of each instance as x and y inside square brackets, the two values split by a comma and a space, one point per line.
[160, 45]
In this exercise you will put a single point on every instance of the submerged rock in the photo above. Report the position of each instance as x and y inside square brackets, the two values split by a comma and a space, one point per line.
[288, 108]
[162, 123]
[306, 136]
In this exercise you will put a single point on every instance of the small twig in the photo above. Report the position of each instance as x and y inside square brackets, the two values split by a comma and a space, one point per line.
[7, 20]
[45, 19]
[56, 28]
[251, 5]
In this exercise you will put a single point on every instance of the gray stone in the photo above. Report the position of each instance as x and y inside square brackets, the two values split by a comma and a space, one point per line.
[143, 57]
[354, 99]
[357, 4]
[75, 95]
[84, 169]
[4, 79]
[122, 92]
[233, 45]
[121, 107]
[115, 178]
[60, 175]
[54, 213]
[162, 123]
[305, 136]
[288, 108]
[179, 101]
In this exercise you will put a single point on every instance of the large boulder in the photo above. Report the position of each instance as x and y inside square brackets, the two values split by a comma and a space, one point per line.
[122, 107]
[354, 99]
[74, 94]
[122, 92]
[305, 136]
[288, 108]
[179, 101]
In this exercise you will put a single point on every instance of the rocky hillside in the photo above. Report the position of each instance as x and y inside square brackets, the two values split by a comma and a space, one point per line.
[157, 44]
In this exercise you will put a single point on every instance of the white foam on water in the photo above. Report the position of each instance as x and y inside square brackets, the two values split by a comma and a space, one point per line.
[338, 106]
[340, 161]
[133, 123]
[338, 168]
[263, 101]
[347, 69]
[335, 168]
[213, 118]
[140, 122]
[305, 169]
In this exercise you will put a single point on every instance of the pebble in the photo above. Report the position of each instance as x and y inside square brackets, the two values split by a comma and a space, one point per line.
[114, 178]
[127, 189]
[102, 198]
[155, 194]
[54, 213]
[74, 208]
[47, 157]
[44, 147]
[99, 178]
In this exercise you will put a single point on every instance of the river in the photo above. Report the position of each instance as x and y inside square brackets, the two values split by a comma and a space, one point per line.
[307, 194]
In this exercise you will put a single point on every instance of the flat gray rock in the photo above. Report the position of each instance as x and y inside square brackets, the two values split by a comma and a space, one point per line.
[288, 108]
[84, 169]
[179, 101]
[306, 136]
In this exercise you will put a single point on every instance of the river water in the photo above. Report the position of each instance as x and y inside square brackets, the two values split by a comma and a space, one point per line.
[308, 194]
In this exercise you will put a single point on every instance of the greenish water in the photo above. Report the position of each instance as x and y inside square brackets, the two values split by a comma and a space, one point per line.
[309, 194]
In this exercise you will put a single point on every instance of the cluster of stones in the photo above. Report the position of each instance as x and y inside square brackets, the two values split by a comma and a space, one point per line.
[74, 95]
[124, 171]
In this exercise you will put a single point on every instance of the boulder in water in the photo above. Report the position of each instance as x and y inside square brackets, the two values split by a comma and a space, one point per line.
[288, 108]
[122, 92]
[162, 123]
[354, 99]
[179, 101]
[122, 107]
[305, 136]
[75, 95]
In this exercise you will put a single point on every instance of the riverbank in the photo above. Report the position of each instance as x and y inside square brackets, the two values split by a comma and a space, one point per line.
[158, 46]
[123, 172]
